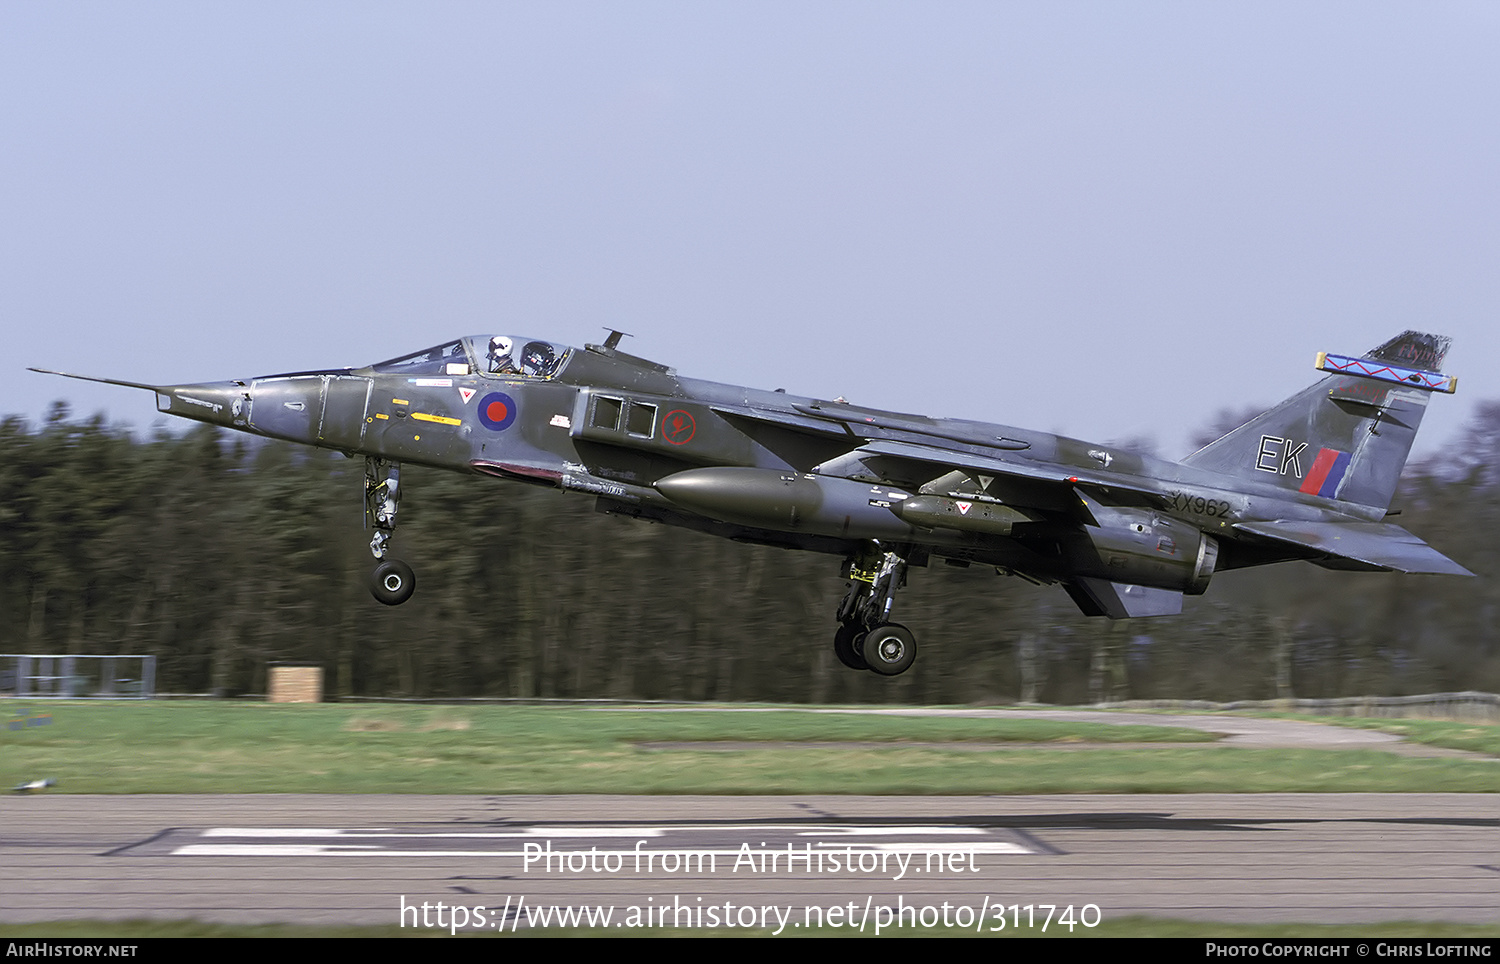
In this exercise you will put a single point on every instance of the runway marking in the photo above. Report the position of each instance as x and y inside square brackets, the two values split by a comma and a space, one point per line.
[355, 850]
[528, 832]
[698, 838]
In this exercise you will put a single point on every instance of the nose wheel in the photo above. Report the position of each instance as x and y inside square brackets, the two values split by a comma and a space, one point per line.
[392, 582]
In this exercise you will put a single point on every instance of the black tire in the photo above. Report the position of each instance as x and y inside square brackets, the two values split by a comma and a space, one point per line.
[392, 582]
[846, 645]
[890, 649]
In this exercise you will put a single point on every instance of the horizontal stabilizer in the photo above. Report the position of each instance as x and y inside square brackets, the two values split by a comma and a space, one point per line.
[1378, 545]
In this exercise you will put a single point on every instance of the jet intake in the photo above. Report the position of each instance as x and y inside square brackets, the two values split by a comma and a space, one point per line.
[789, 501]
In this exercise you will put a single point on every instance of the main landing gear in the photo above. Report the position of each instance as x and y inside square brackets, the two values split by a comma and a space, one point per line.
[864, 639]
[392, 582]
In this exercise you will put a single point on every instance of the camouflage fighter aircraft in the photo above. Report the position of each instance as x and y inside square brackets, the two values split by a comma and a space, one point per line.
[1124, 534]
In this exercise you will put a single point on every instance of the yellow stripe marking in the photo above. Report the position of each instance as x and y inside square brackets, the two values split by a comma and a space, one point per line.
[440, 419]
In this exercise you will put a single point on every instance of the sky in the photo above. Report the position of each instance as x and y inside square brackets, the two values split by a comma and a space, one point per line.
[1106, 220]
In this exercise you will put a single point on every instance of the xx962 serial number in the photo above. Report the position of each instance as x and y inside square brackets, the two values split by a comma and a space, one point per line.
[1186, 502]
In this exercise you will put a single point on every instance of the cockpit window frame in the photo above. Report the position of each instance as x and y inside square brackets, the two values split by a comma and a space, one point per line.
[479, 351]
[437, 360]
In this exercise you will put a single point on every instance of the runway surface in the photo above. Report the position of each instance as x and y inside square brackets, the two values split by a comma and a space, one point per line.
[979, 862]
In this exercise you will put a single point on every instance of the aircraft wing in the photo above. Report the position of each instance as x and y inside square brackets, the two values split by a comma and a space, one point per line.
[1370, 545]
[792, 421]
[926, 452]
[1064, 479]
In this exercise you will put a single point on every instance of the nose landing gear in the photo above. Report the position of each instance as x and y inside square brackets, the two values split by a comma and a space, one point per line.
[392, 582]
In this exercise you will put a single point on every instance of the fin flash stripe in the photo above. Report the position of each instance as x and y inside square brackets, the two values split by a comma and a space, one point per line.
[1327, 472]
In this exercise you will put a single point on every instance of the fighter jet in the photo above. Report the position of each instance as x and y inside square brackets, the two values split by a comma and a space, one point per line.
[1125, 535]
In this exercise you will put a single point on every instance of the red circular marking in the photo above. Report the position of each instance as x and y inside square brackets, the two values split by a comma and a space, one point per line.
[678, 427]
[497, 411]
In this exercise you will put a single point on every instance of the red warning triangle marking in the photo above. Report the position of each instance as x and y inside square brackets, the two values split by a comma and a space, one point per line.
[466, 393]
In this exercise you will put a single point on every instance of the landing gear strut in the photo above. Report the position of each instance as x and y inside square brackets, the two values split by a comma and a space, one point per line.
[392, 582]
[864, 639]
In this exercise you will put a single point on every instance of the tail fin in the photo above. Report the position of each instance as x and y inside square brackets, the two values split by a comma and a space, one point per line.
[1346, 437]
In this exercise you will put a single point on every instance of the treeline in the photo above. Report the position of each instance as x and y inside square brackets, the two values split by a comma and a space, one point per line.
[219, 554]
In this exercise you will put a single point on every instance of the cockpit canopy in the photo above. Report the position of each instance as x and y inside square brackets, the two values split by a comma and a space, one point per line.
[505, 356]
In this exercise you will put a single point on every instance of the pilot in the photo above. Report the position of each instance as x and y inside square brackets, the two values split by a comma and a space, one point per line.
[538, 359]
[500, 360]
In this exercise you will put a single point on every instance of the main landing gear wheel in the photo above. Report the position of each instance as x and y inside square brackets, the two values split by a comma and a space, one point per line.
[392, 582]
[875, 572]
[889, 649]
[846, 645]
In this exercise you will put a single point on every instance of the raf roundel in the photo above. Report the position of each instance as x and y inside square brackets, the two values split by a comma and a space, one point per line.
[497, 411]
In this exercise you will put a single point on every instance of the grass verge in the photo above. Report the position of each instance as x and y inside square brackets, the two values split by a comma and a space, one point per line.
[227, 747]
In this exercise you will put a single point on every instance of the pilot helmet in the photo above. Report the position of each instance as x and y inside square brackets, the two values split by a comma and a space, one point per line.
[537, 358]
[499, 346]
